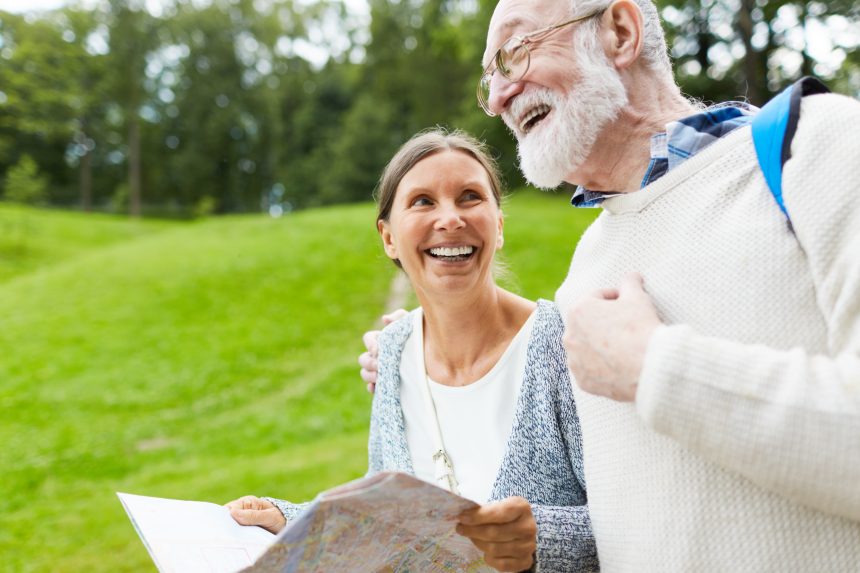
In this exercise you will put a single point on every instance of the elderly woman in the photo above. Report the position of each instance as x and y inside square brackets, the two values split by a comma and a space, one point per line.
[473, 392]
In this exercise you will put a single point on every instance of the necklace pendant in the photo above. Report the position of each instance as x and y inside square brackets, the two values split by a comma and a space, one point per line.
[445, 472]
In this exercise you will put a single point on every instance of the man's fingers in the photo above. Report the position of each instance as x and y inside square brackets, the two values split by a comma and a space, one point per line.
[369, 340]
[393, 316]
[608, 293]
[368, 363]
[631, 283]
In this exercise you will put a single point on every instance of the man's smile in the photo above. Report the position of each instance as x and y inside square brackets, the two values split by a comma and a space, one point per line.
[533, 116]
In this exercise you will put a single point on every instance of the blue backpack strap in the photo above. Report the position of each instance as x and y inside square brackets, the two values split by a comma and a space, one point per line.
[774, 127]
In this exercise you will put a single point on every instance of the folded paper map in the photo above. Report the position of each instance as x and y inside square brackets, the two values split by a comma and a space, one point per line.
[194, 536]
[388, 522]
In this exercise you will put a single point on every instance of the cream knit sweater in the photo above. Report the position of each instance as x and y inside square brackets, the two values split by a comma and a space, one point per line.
[742, 451]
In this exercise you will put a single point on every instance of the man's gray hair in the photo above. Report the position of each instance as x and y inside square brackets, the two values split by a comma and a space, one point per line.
[654, 50]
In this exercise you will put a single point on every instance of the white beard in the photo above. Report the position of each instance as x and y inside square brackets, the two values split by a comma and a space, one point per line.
[561, 143]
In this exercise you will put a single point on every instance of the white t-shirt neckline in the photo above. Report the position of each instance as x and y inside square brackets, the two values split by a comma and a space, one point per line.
[475, 419]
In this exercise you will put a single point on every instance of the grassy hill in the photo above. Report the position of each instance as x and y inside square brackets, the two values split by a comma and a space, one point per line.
[196, 360]
[31, 240]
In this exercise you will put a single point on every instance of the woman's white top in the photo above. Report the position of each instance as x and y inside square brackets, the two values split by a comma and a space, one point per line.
[475, 420]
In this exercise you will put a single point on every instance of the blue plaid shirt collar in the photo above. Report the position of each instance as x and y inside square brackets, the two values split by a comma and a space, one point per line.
[681, 140]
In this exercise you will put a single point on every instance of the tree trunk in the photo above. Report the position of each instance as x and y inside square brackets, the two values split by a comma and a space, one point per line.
[806, 67]
[86, 181]
[134, 165]
[756, 76]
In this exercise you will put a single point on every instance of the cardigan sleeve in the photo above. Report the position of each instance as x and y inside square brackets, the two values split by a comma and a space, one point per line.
[786, 419]
[289, 510]
[565, 539]
[565, 542]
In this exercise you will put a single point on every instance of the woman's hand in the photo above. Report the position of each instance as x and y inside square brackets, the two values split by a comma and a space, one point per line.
[251, 510]
[505, 531]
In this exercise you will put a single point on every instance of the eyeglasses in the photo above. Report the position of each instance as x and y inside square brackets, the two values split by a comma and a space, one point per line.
[512, 59]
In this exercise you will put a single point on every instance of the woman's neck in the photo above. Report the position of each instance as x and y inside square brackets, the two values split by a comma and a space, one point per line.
[464, 337]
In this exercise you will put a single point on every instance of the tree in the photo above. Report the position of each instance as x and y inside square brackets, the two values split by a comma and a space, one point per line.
[132, 38]
[24, 184]
[753, 48]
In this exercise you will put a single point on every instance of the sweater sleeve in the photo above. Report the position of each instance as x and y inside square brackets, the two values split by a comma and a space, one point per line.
[787, 419]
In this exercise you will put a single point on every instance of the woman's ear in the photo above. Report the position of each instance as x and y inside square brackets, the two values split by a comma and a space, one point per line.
[625, 28]
[387, 239]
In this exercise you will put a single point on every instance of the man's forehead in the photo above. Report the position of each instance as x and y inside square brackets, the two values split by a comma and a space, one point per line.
[518, 17]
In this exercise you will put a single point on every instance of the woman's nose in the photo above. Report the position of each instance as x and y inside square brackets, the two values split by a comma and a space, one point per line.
[449, 219]
[502, 90]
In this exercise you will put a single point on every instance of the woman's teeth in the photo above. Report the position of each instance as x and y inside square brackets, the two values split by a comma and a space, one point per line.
[451, 251]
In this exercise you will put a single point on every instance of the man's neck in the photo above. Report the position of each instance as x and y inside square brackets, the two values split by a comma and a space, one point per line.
[621, 154]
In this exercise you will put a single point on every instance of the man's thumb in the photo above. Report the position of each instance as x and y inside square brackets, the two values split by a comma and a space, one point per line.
[632, 284]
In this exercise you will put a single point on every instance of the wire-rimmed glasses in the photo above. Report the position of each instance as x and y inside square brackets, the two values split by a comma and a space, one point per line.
[513, 58]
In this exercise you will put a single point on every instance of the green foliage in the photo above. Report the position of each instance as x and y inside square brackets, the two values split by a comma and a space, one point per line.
[200, 360]
[227, 99]
[23, 184]
[752, 49]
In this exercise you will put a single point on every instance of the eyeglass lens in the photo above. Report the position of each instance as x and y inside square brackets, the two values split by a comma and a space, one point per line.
[512, 61]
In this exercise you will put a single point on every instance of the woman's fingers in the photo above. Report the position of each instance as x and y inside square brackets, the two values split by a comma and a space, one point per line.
[512, 549]
[270, 519]
[249, 502]
[510, 565]
[251, 510]
[504, 531]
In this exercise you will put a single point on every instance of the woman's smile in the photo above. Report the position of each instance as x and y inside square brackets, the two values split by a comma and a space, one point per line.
[452, 254]
[445, 225]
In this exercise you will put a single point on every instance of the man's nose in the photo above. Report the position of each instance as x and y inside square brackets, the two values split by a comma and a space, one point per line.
[502, 90]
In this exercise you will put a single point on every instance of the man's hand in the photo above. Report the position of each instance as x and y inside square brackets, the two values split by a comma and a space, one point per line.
[251, 510]
[367, 360]
[606, 337]
[505, 531]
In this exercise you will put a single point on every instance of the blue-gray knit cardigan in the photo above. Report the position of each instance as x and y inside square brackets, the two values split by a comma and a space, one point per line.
[543, 460]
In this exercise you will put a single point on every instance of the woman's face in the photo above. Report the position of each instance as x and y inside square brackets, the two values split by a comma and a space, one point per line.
[445, 225]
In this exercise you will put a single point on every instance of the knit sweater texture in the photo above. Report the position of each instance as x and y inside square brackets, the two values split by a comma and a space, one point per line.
[542, 461]
[742, 450]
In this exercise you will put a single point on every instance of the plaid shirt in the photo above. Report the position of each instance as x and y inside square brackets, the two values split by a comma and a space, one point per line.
[681, 140]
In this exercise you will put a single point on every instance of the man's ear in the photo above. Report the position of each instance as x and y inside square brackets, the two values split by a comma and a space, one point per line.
[624, 27]
[387, 239]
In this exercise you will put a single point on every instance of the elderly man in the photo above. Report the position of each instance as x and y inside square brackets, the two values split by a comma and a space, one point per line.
[719, 386]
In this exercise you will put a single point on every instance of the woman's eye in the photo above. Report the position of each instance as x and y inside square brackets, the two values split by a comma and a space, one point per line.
[472, 196]
[421, 202]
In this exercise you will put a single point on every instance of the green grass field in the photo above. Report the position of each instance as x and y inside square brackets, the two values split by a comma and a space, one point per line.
[201, 360]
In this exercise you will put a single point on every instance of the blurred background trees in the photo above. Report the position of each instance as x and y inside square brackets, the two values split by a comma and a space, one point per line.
[189, 107]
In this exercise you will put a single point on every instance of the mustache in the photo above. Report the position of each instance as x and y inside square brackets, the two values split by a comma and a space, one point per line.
[524, 102]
